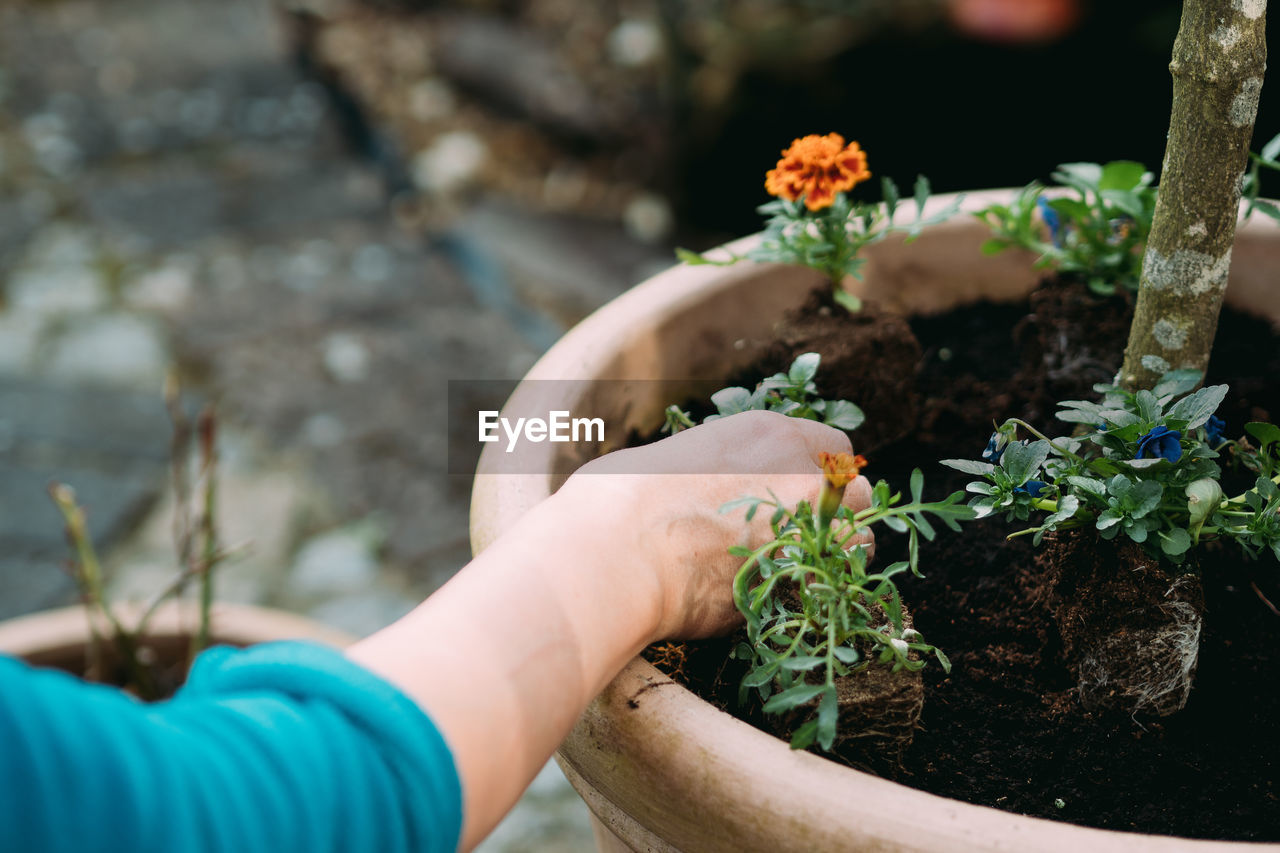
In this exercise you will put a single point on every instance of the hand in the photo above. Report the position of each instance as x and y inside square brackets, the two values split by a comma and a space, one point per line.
[540, 621]
[673, 529]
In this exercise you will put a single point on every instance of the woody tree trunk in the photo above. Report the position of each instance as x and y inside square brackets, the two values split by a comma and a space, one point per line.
[1130, 627]
[1218, 61]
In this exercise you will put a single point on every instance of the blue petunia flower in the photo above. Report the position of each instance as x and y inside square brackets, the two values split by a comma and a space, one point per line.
[1051, 219]
[1213, 430]
[1032, 487]
[1160, 443]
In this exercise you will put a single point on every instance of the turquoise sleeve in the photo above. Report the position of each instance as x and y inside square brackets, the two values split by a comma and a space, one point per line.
[281, 747]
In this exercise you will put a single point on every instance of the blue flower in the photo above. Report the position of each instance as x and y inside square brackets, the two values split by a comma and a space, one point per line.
[1161, 442]
[1032, 487]
[1051, 219]
[995, 448]
[1213, 430]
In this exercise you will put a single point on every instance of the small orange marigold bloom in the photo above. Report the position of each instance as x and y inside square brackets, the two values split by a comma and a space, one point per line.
[840, 469]
[817, 167]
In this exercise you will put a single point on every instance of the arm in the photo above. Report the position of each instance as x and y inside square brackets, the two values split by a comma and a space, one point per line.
[295, 747]
[283, 747]
[506, 655]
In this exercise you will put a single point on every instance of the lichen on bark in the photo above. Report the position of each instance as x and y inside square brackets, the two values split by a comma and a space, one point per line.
[1219, 59]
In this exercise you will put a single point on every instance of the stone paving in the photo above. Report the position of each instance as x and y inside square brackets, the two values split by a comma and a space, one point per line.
[175, 194]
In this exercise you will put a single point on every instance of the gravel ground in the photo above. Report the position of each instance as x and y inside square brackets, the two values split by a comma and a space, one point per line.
[176, 194]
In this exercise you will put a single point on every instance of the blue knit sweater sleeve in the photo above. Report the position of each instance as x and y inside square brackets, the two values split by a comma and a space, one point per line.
[281, 747]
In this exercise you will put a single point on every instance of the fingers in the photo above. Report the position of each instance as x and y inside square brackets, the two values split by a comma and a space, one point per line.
[820, 438]
[857, 495]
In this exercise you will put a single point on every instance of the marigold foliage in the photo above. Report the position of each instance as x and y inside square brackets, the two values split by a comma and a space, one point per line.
[816, 611]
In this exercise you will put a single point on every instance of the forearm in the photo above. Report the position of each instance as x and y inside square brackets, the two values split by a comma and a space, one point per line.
[507, 654]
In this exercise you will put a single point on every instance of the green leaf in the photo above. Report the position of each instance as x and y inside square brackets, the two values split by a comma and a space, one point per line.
[792, 697]
[828, 711]
[942, 659]
[922, 524]
[1175, 542]
[1097, 488]
[1082, 176]
[730, 401]
[737, 502]
[921, 194]
[1119, 417]
[1021, 461]
[1177, 382]
[969, 466]
[1196, 408]
[1265, 433]
[1121, 175]
[994, 246]
[1268, 207]
[847, 654]
[1067, 506]
[844, 415]
[1148, 407]
[1071, 209]
[802, 663]
[1109, 518]
[889, 192]
[846, 300]
[694, 259]
[896, 524]
[759, 676]
[803, 737]
[917, 485]
[804, 368]
[1146, 495]
[1272, 149]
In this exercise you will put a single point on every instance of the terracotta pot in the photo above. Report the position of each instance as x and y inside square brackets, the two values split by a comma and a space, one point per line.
[59, 638]
[663, 770]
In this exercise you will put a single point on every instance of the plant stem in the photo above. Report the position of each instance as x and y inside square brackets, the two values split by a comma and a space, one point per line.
[207, 429]
[1029, 428]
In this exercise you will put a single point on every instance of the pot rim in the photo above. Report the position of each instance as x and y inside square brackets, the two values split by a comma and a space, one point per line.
[929, 821]
[67, 628]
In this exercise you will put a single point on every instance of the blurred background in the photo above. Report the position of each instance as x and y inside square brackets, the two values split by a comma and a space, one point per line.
[318, 213]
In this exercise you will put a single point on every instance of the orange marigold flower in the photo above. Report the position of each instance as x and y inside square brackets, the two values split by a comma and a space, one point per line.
[840, 469]
[817, 167]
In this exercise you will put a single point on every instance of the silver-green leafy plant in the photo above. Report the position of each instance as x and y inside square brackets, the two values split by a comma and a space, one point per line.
[793, 393]
[1143, 464]
[1095, 225]
[1251, 186]
[815, 611]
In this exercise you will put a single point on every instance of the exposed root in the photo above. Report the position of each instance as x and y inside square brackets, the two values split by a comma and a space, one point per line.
[1265, 600]
[879, 712]
[1130, 626]
[1146, 670]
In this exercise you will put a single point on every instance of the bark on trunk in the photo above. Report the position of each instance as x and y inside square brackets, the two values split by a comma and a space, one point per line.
[1218, 62]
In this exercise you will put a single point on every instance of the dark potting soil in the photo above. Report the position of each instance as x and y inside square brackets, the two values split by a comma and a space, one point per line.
[1006, 728]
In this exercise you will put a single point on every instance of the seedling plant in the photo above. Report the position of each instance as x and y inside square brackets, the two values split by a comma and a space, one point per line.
[814, 611]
